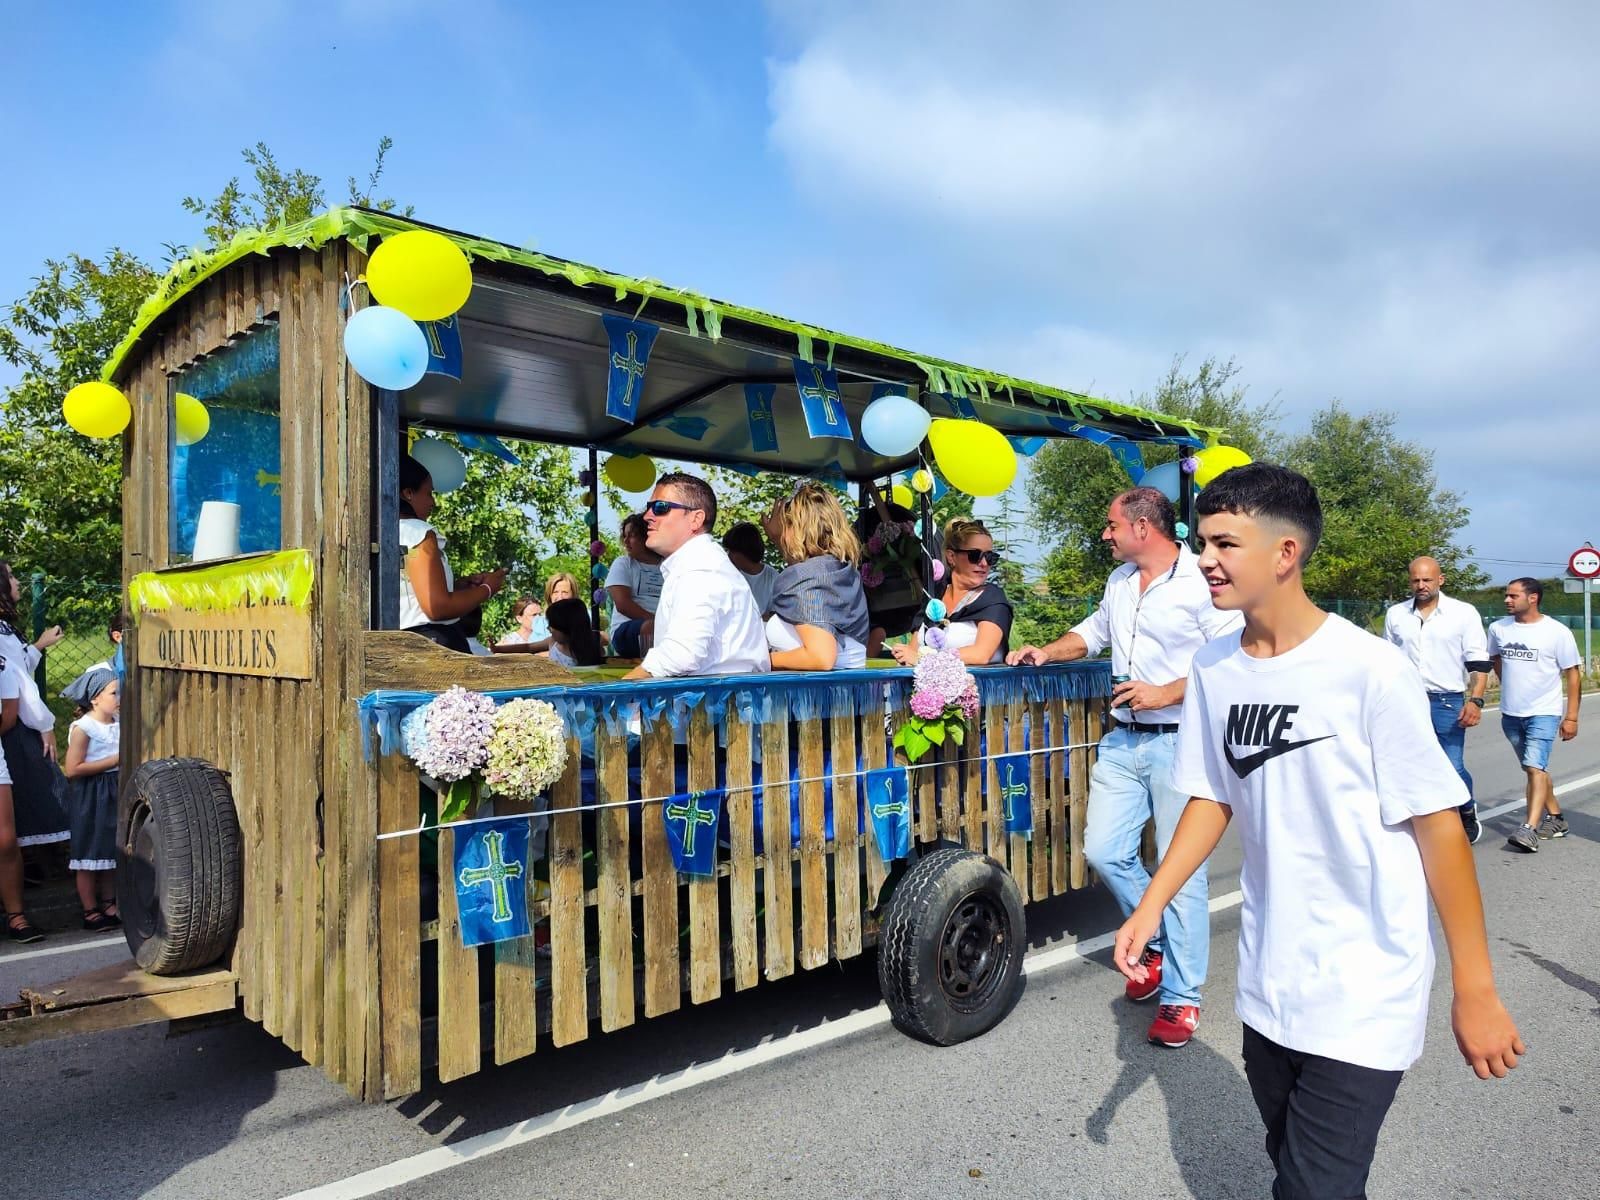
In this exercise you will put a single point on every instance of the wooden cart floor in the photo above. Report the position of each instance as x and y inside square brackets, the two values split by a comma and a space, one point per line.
[114, 997]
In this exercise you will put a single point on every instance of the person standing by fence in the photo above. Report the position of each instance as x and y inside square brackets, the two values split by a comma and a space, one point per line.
[93, 752]
[1442, 636]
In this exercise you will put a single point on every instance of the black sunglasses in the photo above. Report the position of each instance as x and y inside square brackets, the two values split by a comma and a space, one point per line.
[990, 557]
[660, 508]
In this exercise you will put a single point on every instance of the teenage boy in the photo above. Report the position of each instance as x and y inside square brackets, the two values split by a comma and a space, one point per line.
[1534, 655]
[1317, 736]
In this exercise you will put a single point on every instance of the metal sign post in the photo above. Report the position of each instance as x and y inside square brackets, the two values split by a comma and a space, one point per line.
[1584, 565]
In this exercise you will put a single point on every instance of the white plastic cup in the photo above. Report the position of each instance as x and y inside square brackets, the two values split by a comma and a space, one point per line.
[216, 533]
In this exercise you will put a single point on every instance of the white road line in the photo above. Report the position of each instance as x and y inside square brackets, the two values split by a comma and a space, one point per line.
[72, 948]
[443, 1158]
[1561, 789]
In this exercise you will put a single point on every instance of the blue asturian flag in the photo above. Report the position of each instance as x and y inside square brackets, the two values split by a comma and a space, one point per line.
[1026, 446]
[491, 873]
[444, 346]
[960, 406]
[889, 809]
[1077, 429]
[631, 342]
[758, 406]
[1016, 792]
[1128, 455]
[691, 822]
[487, 443]
[821, 400]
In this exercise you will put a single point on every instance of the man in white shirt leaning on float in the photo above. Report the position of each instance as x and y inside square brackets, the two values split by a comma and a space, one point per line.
[706, 622]
[1443, 637]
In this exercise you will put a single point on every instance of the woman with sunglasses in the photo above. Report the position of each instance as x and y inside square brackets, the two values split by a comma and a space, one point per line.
[976, 609]
[819, 608]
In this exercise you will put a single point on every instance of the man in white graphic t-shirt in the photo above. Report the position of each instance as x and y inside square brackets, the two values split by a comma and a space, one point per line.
[1314, 738]
[1533, 654]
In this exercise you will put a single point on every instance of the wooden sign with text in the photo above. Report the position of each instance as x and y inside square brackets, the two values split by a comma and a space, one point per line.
[272, 640]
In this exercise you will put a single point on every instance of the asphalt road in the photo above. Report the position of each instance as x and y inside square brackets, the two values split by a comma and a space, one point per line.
[801, 1088]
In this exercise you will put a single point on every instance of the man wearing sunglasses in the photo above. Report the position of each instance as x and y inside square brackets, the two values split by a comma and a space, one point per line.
[1156, 612]
[706, 622]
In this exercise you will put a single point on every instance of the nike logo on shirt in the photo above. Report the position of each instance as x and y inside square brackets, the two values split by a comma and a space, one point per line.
[1261, 725]
[1242, 766]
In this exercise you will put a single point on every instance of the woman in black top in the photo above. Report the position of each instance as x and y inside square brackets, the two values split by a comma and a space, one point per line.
[977, 614]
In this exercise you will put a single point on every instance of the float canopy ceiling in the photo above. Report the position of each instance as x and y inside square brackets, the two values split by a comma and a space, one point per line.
[535, 363]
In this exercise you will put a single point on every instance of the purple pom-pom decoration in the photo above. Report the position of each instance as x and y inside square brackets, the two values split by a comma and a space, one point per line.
[938, 570]
[597, 549]
[586, 478]
[1190, 465]
[935, 638]
[599, 596]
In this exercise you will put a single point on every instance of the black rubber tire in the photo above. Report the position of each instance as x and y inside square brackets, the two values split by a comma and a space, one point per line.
[179, 877]
[951, 946]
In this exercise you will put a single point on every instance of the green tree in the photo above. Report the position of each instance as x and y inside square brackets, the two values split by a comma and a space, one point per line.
[1072, 481]
[1382, 506]
[62, 492]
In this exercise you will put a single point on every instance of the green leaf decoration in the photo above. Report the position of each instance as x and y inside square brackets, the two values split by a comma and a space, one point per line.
[934, 731]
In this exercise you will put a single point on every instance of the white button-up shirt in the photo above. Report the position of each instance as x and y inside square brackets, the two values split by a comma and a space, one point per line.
[1154, 634]
[1440, 644]
[707, 622]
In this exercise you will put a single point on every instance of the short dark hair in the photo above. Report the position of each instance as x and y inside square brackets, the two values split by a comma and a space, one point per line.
[697, 493]
[744, 538]
[1532, 586]
[412, 476]
[1152, 506]
[635, 522]
[1264, 490]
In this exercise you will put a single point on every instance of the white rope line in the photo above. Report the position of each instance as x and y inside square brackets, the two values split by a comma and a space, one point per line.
[775, 783]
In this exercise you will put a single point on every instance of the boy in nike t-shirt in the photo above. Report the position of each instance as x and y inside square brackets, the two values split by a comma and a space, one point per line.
[1316, 736]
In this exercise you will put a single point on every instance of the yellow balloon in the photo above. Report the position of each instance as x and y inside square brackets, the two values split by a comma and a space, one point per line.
[922, 480]
[191, 419]
[900, 494]
[423, 274]
[975, 458]
[97, 410]
[1214, 460]
[631, 474]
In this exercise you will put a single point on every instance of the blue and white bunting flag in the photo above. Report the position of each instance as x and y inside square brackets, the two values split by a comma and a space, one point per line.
[491, 876]
[691, 823]
[1026, 446]
[758, 405]
[1128, 455]
[889, 810]
[444, 346]
[487, 443]
[1016, 792]
[960, 406]
[821, 400]
[631, 342]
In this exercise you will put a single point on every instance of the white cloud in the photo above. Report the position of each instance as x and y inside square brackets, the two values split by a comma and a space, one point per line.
[1386, 203]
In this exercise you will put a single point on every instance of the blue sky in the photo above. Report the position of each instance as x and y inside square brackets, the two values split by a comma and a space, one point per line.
[1391, 204]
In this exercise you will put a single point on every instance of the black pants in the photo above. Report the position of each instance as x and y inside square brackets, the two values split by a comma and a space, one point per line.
[1322, 1118]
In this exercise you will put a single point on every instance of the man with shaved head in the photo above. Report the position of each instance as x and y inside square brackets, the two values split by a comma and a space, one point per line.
[1444, 639]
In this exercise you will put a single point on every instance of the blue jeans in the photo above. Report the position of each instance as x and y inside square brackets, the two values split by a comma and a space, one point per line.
[1446, 709]
[1131, 782]
[1531, 738]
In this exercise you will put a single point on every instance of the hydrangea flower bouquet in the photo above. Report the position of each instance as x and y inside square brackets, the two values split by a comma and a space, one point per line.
[944, 699]
[892, 551]
[462, 741]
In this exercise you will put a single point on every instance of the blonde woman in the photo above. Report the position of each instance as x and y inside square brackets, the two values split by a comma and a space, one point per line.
[819, 608]
[560, 586]
[976, 608]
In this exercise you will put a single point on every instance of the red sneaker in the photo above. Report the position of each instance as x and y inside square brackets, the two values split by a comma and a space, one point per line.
[1174, 1025]
[1152, 984]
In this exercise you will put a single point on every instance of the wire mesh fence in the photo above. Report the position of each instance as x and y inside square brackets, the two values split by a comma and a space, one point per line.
[84, 609]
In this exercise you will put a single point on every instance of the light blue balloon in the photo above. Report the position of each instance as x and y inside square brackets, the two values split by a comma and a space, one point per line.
[894, 426]
[1165, 479]
[387, 348]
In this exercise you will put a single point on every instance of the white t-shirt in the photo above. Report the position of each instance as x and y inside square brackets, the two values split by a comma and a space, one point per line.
[1532, 656]
[1324, 753]
[9, 690]
[1155, 632]
[781, 635]
[761, 587]
[412, 531]
[1440, 645]
[643, 579]
[104, 740]
[707, 623]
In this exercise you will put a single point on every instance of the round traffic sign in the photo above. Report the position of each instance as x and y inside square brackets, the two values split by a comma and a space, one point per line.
[1584, 563]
